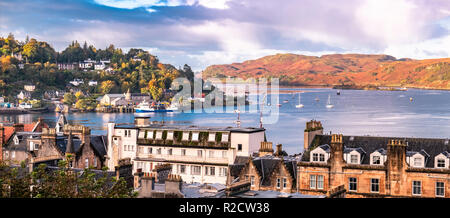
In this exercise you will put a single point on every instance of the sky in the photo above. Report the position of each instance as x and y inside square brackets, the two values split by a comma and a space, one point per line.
[201, 33]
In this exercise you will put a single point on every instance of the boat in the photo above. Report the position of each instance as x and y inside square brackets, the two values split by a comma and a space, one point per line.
[338, 93]
[145, 107]
[279, 105]
[317, 99]
[285, 101]
[299, 105]
[411, 99]
[329, 105]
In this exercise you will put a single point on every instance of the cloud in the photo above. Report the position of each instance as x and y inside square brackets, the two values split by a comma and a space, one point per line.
[205, 32]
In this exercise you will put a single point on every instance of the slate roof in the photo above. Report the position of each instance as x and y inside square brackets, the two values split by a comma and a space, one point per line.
[98, 142]
[432, 146]
[265, 167]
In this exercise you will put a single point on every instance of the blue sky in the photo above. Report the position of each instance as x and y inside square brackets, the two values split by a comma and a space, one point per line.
[205, 32]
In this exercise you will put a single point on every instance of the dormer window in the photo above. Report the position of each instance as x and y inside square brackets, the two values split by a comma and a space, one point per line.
[212, 137]
[440, 163]
[141, 134]
[354, 159]
[170, 135]
[315, 157]
[224, 137]
[376, 160]
[150, 134]
[158, 134]
[185, 136]
[195, 136]
[321, 157]
[417, 162]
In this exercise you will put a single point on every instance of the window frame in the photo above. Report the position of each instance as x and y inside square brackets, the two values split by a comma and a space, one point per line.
[414, 186]
[354, 183]
[373, 184]
[438, 188]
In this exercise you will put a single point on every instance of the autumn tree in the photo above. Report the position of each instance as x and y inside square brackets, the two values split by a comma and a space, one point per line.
[106, 86]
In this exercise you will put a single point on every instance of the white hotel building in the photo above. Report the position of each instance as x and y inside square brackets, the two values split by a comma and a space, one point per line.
[197, 154]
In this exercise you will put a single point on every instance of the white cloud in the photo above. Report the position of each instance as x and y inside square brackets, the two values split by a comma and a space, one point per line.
[130, 4]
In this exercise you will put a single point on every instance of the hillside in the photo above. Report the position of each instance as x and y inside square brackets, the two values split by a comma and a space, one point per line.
[341, 69]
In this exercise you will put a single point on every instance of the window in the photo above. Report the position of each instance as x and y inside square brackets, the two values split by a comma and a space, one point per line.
[212, 137]
[376, 160]
[239, 147]
[158, 134]
[212, 171]
[315, 157]
[185, 136]
[312, 181]
[199, 153]
[224, 137]
[169, 152]
[36, 146]
[211, 153]
[6, 154]
[170, 135]
[417, 187]
[182, 169]
[95, 162]
[319, 182]
[224, 154]
[375, 185]
[278, 182]
[284, 183]
[195, 136]
[196, 170]
[417, 161]
[354, 159]
[440, 189]
[441, 163]
[252, 180]
[352, 184]
[141, 134]
[150, 134]
[86, 163]
[183, 152]
[158, 151]
[322, 157]
[150, 150]
[13, 154]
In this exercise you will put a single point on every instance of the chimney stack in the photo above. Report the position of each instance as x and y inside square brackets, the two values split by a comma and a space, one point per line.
[18, 127]
[147, 185]
[142, 121]
[312, 129]
[174, 185]
[396, 166]
[265, 149]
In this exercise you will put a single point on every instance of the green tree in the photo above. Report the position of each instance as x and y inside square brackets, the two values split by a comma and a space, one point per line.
[69, 99]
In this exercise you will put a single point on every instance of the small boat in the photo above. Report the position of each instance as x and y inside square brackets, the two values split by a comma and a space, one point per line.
[411, 99]
[338, 93]
[145, 107]
[317, 99]
[285, 101]
[299, 105]
[279, 105]
[329, 105]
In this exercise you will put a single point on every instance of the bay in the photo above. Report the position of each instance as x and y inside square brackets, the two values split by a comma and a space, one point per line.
[355, 112]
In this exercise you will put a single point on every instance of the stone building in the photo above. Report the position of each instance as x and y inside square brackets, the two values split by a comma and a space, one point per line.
[49, 146]
[376, 166]
[268, 171]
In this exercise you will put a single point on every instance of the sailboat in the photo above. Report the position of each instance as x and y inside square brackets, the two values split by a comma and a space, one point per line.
[329, 105]
[299, 105]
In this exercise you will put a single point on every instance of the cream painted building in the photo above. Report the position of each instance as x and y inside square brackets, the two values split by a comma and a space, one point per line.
[197, 154]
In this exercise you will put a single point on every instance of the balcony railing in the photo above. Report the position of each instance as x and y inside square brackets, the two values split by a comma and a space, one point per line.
[186, 158]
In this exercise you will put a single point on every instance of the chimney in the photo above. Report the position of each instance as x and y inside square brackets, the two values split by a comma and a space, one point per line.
[336, 160]
[312, 129]
[137, 178]
[147, 185]
[279, 151]
[396, 167]
[174, 185]
[141, 121]
[265, 149]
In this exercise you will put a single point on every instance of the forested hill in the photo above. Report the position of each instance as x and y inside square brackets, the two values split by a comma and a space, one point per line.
[36, 62]
[341, 69]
